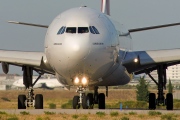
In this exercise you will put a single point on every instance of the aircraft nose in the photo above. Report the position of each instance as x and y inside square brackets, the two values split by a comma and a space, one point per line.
[76, 48]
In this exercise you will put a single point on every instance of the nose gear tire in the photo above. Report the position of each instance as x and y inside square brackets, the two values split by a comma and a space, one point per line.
[21, 102]
[76, 104]
[39, 101]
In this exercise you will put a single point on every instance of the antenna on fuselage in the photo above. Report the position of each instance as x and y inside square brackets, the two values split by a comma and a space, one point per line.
[105, 6]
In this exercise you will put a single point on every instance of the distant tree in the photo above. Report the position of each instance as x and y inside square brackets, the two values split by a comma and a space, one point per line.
[170, 87]
[142, 93]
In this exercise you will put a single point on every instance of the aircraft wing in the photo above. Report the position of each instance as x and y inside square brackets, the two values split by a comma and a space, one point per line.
[140, 61]
[36, 60]
[153, 27]
[29, 24]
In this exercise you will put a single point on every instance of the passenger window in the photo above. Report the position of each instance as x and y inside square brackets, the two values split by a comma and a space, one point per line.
[96, 31]
[91, 30]
[71, 30]
[83, 30]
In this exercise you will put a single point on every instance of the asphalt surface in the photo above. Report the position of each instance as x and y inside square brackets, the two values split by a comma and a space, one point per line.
[82, 111]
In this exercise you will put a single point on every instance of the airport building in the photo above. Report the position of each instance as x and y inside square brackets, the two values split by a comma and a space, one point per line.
[173, 73]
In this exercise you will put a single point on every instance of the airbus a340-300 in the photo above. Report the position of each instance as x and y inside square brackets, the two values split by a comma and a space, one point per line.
[86, 48]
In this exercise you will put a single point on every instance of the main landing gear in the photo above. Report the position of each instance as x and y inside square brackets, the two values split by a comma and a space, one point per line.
[88, 101]
[161, 84]
[28, 100]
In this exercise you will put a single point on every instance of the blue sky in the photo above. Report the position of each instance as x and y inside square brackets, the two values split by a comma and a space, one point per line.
[132, 13]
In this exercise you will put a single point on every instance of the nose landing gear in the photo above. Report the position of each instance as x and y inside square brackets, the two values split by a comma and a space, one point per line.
[88, 101]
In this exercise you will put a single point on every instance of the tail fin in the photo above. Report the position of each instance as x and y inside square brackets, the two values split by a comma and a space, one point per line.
[105, 6]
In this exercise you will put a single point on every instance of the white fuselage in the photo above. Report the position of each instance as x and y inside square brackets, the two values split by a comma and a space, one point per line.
[95, 56]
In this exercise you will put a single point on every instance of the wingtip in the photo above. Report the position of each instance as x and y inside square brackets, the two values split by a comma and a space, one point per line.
[13, 22]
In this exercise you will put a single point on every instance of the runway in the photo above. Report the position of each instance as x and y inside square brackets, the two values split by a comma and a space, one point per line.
[82, 111]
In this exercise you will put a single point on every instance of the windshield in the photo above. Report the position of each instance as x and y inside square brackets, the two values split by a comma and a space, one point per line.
[71, 30]
[83, 30]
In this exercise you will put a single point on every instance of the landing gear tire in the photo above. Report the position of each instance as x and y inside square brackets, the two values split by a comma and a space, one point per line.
[85, 102]
[95, 98]
[39, 101]
[152, 101]
[169, 101]
[21, 102]
[76, 104]
[101, 101]
[91, 105]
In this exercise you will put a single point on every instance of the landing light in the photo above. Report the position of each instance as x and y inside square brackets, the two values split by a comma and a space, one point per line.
[135, 60]
[84, 81]
[76, 81]
[45, 61]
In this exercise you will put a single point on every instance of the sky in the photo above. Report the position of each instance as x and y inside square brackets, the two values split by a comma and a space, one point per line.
[131, 13]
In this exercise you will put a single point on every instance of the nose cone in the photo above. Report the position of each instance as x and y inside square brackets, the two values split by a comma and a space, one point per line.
[76, 48]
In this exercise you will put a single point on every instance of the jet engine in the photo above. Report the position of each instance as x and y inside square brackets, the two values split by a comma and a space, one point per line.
[5, 67]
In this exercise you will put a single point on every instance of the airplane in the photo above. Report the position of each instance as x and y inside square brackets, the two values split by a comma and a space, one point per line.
[87, 48]
[50, 83]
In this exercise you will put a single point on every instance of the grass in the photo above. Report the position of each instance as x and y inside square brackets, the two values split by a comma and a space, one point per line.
[75, 116]
[84, 117]
[39, 118]
[154, 113]
[67, 105]
[49, 113]
[132, 113]
[100, 114]
[169, 116]
[142, 116]
[114, 114]
[97, 116]
[2, 112]
[124, 118]
[24, 113]
[52, 106]
[12, 117]
[5, 99]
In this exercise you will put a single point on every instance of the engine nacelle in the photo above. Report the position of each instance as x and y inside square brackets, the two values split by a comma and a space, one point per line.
[5, 67]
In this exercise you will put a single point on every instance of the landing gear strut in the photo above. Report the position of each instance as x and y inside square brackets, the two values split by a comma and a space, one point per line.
[88, 101]
[28, 100]
[161, 84]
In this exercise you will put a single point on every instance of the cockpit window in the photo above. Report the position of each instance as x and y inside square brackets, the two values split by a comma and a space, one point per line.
[61, 30]
[96, 31]
[93, 30]
[71, 30]
[83, 30]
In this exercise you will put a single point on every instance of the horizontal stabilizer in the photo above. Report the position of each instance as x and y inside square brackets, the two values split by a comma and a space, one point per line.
[29, 24]
[153, 27]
